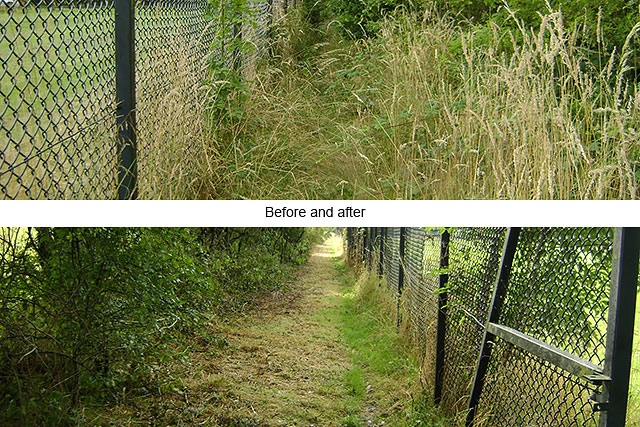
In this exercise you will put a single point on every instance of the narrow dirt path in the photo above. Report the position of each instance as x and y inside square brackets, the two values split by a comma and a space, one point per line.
[284, 363]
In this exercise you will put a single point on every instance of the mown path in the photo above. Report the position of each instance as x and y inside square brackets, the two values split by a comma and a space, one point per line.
[284, 363]
[308, 356]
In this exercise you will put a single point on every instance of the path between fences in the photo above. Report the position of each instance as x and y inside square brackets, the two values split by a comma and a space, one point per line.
[281, 363]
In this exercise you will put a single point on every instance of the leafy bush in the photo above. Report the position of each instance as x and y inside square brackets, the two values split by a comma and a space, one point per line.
[75, 302]
[362, 18]
[85, 311]
[246, 261]
[598, 24]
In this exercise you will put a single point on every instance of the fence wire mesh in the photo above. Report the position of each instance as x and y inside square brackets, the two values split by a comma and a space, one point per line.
[418, 287]
[57, 85]
[58, 91]
[559, 288]
[393, 260]
[522, 389]
[558, 294]
[474, 259]
[173, 44]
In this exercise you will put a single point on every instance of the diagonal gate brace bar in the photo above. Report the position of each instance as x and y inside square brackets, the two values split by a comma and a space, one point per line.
[614, 376]
[565, 360]
[499, 293]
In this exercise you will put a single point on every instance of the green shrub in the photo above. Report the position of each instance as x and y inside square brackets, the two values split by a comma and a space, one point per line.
[246, 261]
[362, 18]
[76, 302]
[598, 24]
[86, 312]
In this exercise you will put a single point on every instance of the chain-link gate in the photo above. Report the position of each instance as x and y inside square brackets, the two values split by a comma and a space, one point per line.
[79, 109]
[520, 326]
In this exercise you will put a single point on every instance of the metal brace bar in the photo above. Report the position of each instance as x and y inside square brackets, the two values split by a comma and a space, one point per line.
[499, 293]
[565, 360]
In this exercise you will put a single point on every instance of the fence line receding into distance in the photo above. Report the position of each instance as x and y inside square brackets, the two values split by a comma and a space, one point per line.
[518, 326]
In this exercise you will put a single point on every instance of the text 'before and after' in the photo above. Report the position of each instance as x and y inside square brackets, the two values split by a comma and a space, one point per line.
[329, 212]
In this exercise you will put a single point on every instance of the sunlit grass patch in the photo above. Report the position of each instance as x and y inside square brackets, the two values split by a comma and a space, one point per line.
[385, 380]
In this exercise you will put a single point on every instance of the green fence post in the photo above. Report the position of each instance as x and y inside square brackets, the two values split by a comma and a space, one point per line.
[622, 305]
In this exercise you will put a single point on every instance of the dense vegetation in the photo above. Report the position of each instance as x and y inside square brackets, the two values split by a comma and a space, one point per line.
[434, 100]
[599, 25]
[85, 314]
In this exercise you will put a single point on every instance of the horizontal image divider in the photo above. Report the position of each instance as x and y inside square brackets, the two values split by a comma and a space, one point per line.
[320, 213]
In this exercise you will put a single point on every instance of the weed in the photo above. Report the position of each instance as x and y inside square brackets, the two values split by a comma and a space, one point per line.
[354, 382]
[351, 421]
[175, 160]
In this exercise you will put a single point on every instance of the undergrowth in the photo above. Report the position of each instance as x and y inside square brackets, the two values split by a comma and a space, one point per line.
[428, 109]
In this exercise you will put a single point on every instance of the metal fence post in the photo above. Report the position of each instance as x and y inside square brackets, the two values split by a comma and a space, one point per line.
[368, 235]
[381, 234]
[126, 99]
[350, 245]
[499, 293]
[622, 305]
[442, 316]
[362, 235]
[403, 234]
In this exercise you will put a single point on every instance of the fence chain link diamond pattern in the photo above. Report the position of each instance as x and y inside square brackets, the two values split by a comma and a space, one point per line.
[58, 92]
[558, 293]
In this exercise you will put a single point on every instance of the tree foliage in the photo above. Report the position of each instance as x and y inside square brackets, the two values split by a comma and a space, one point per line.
[598, 24]
[361, 18]
[83, 311]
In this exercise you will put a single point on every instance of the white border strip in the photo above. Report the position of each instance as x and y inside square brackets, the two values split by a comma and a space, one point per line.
[227, 213]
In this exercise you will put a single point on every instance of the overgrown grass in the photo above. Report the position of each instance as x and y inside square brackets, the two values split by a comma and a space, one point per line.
[384, 382]
[428, 110]
[425, 110]
[175, 158]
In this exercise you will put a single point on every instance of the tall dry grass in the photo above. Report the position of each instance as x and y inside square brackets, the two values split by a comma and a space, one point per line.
[175, 157]
[531, 120]
[428, 110]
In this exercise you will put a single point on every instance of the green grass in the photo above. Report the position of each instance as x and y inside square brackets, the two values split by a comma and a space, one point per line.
[383, 383]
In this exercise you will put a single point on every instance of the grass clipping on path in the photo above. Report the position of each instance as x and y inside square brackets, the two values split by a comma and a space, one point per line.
[428, 110]
[322, 353]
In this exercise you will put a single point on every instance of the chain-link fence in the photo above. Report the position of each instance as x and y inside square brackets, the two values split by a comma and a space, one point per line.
[519, 327]
[84, 113]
